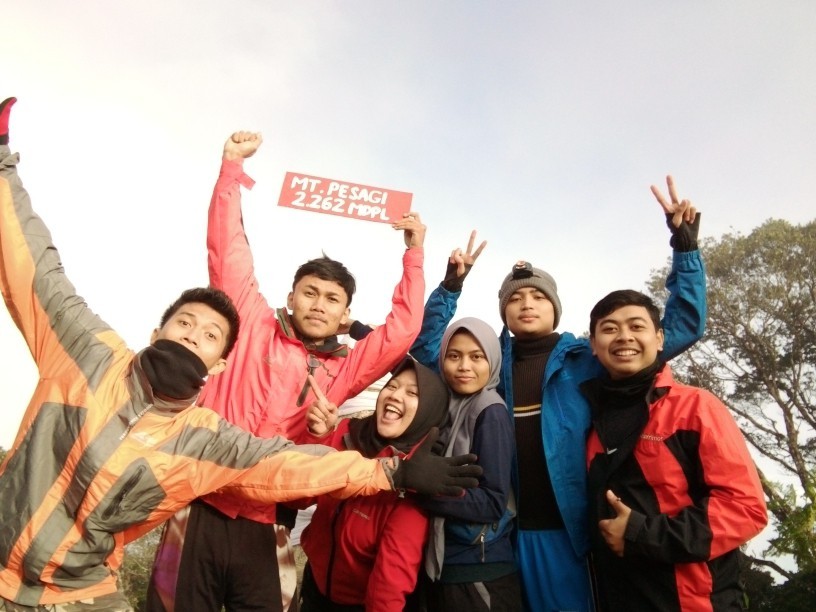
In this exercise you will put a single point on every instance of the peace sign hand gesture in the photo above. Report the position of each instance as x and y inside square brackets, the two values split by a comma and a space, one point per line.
[460, 262]
[681, 217]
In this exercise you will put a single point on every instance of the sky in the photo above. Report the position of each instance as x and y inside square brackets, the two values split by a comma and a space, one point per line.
[539, 124]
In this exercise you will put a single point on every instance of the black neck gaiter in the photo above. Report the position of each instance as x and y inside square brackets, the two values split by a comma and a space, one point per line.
[173, 370]
[619, 408]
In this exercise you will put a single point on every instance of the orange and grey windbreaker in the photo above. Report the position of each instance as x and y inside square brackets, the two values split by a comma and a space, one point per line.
[98, 461]
[267, 369]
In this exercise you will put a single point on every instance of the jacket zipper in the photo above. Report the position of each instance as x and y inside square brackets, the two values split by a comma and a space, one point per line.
[120, 497]
[330, 568]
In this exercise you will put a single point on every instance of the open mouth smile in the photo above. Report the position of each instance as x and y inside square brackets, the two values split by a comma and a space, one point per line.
[391, 413]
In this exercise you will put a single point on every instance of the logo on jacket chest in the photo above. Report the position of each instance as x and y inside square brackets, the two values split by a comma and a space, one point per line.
[361, 514]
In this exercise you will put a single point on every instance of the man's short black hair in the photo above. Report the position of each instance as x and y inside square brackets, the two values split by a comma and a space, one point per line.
[328, 269]
[619, 299]
[216, 299]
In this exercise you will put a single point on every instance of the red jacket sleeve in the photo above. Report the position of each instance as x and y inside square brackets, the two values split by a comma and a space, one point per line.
[375, 355]
[732, 512]
[398, 560]
[229, 257]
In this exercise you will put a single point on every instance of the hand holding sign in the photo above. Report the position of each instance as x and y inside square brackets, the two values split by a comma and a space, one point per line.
[322, 415]
[242, 145]
[413, 228]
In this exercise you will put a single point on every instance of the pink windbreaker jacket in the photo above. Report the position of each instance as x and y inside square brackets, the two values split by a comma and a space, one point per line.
[267, 369]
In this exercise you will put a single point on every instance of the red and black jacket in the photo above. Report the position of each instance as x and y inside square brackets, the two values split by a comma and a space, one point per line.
[695, 496]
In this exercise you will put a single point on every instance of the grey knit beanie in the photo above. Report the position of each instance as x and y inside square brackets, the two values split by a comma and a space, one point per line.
[525, 275]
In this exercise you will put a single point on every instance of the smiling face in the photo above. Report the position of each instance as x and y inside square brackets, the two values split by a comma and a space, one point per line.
[318, 307]
[397, 404]
[626, 341]
[201, 329]
[465, 366]
[529, 314]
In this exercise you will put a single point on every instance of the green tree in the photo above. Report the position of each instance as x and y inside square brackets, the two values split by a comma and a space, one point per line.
[135, 570]
[758, 584]
[759, 356]
[796, 595]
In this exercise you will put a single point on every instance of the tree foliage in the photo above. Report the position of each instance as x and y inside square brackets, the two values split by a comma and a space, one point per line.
[798, 593]
[136, 568]
[762, 595]
[759, 356]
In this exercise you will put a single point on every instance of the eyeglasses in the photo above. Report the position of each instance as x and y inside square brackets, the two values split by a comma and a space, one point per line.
[312, 363]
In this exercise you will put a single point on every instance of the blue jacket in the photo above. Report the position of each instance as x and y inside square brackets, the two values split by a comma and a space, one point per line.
[565, 413]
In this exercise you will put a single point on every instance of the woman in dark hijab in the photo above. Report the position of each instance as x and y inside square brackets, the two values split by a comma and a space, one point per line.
[365, 552]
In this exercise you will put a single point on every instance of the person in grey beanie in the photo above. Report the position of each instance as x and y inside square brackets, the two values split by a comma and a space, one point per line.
[523, 276]
[541, 373]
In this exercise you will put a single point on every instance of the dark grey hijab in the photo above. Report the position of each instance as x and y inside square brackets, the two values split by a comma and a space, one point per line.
[432, 411]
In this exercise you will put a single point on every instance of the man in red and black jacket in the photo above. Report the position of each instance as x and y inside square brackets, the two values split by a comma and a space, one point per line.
[673, 490]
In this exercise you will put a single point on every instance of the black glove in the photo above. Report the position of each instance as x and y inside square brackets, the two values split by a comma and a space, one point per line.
[431, 474]
[684, 238]
[451, 282]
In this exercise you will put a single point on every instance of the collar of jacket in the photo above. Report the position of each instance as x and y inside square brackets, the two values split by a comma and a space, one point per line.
[660, 385]
[330, 345]
[143, 392]
[663, 382]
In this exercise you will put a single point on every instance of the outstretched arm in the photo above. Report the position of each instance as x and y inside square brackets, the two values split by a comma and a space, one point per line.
[383, 347]
[230, 262]
[441, 304]
[685, 315]
[43, 303]
[459, 265]
[413, 230]
[288, 472]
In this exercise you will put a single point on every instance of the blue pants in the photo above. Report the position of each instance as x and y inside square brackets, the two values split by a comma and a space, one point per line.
[553, 579]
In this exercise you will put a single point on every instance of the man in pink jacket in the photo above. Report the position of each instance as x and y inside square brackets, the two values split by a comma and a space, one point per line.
[228, 551]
